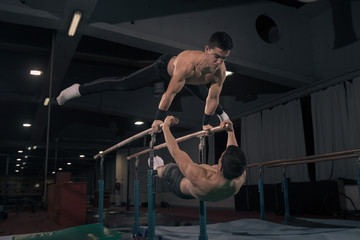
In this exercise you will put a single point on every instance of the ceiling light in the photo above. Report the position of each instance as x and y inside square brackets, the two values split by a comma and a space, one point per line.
[24, 163]
[17, 170]
[60, 169]
[82, 156]
[53, 172]
[228, 73]
[139, 123]
[18, 159]
[69, 163]
[35, 72]
[101, 152]
[46, 101]
[26, 156]
[29, 148]
[18, 165]
[34, 147]
[20, 151]
[26, 125]
[307, 1]
[74, 23]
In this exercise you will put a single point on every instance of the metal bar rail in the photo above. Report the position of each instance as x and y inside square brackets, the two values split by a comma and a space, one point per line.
[347, 154]
[126, 141]
[318, 156]
[184, 138]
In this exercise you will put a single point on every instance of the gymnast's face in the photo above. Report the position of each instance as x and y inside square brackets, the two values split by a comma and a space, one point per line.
[215, 57]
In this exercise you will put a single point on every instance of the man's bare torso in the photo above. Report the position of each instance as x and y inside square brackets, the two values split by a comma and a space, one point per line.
[195, 75]
[214, 187]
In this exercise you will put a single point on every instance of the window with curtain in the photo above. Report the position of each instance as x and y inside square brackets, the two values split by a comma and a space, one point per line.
[336, 114]
[274, 134]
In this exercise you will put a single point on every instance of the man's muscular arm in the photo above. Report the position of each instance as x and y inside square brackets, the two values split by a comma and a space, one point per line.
[190, 170]
[212, 101]
[177, 82]
[231, 139]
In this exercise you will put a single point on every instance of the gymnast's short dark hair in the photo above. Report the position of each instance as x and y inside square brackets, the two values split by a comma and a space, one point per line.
[221, 40]
[233, 162]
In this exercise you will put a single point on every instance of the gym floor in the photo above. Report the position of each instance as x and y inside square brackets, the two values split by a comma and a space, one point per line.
[122, 219]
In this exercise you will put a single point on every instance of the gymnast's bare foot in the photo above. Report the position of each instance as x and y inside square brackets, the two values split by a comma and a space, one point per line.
[68, 93]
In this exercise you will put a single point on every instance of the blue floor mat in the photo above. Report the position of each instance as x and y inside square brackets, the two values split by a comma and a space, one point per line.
[254, 229]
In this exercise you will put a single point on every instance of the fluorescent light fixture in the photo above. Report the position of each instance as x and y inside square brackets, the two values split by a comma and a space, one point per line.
[26, 125]
[69, 163]
[60, 169]
[74, 23]
[101, 152]
[46, 101]
[17, 170]
[82, 156]
[18, 165]
[18, 159]
[20, 151]
[307, 1]
[53, 172]
[35, 72]
[139, 123]
[228, 73]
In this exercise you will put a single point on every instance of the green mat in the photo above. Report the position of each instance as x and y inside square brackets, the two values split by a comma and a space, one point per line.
[83, 232]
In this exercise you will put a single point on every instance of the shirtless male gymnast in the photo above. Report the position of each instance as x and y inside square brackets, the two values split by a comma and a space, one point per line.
[191, 69]
[189, 180]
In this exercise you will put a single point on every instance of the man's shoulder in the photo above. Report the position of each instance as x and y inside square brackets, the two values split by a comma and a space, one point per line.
[192, 54]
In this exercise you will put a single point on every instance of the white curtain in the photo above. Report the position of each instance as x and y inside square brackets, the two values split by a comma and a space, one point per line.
[335, 116]
[274, 134]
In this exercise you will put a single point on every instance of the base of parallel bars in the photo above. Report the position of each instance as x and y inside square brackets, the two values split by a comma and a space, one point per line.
[151, 206]
[286, 200]
[202, 211]
[262, 200]
[136, 229]
[101, 201]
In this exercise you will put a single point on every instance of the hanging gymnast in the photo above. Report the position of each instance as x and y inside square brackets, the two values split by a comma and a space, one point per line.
[189, 180]
[191, 69]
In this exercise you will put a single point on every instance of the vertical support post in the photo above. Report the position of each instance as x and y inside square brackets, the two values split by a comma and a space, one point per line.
[286, 198]
[136, 230]
[358, 175]
[5, 184]
[261, 193]
[202, 205]
[151, 193]
[101, 192]
[202, 212]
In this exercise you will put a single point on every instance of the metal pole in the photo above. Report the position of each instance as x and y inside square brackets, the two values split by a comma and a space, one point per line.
[101, 192]
[358, 175]
[5, 183]
[261, 193]
[151, 193]
[286, 198]
[48, 120]
[136, 230]
[202, 204]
